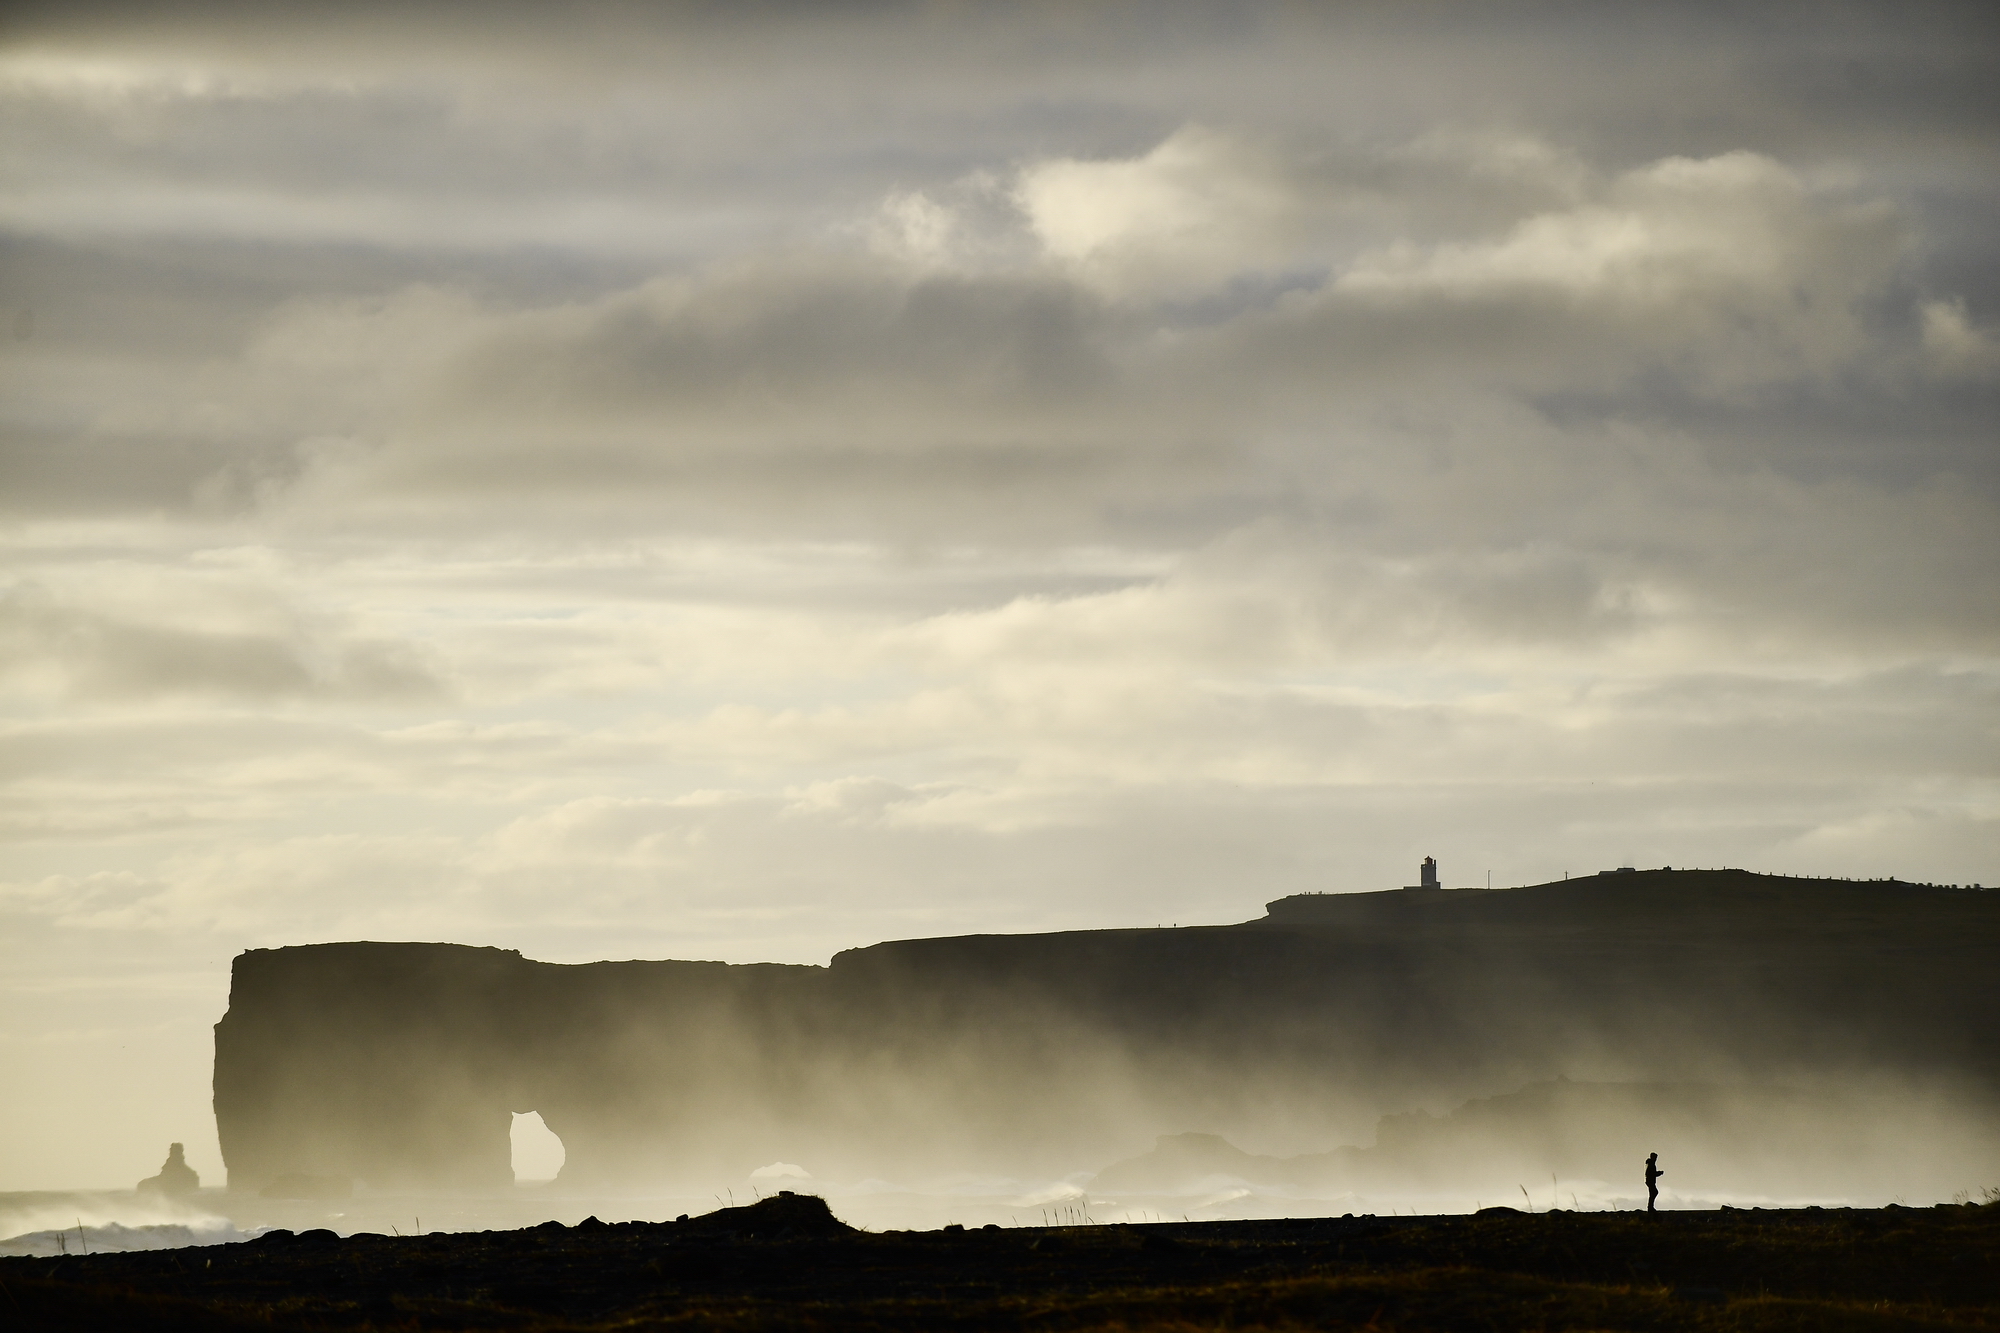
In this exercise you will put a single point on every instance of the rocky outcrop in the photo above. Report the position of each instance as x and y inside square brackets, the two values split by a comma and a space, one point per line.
[400, 1064]
[785, 1215]
[176, 1179]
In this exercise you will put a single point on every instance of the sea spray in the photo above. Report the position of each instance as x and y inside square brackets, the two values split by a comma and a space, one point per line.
[115, 1237]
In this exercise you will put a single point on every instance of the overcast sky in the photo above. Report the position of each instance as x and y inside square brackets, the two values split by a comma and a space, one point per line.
[744, 482]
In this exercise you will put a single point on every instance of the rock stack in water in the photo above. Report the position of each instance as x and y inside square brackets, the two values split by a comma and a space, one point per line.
[176, 1178]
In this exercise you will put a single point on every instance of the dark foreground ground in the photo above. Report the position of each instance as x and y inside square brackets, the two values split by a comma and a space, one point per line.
[787, 1263]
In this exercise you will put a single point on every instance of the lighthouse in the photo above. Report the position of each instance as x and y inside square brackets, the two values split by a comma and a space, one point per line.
[1427, 876]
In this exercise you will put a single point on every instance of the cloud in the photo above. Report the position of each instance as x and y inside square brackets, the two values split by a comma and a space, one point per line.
[907, 396]
[1662, 228]
[1198, 209]
[794, 340]
[1954, 345]
[1721, 276]
[81, 653]
[1068, 785]
[73, 900]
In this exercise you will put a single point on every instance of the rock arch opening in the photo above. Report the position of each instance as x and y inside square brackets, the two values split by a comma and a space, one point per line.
[538, 1150]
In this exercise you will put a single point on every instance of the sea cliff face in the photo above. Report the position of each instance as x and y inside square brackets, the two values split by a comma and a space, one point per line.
[399, 1064]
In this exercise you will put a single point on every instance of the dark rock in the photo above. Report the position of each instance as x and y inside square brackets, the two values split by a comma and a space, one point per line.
[786, 1215]
[176, 1179]
[401, 1064]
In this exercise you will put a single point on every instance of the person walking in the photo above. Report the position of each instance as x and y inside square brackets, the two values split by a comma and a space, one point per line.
[1653, 1174]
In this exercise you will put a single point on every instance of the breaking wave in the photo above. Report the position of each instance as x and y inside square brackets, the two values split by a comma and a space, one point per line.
[58, 1222]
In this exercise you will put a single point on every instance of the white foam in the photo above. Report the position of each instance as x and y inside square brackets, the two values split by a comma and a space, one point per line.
[114, 1237]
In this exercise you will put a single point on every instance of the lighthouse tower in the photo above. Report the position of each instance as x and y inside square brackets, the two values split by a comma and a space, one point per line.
[1427, 876]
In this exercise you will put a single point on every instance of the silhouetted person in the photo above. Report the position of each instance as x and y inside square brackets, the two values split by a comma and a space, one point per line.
[175, 1179]
[1653, 1174]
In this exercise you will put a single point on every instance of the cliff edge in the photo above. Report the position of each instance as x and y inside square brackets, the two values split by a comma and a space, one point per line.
[399, 1065]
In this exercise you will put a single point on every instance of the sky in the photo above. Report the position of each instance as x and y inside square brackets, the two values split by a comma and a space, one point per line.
[748, 481]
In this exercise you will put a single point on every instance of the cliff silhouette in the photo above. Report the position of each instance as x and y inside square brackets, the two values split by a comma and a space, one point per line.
[399, 1065]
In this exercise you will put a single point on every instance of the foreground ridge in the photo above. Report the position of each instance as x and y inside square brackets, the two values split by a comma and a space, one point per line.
[788, 1263]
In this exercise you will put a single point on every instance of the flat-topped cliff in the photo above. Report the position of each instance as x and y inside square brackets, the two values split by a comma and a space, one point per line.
[399, 1064]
